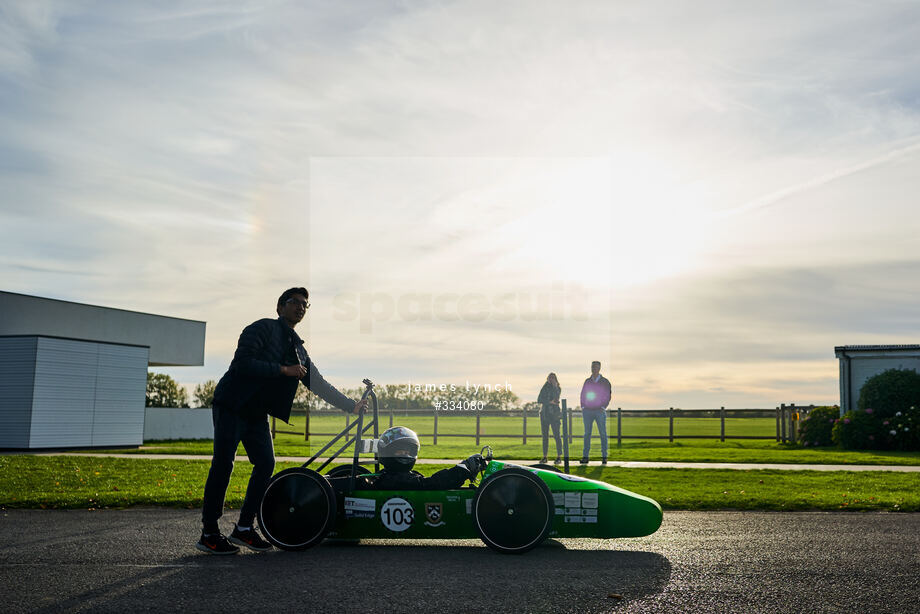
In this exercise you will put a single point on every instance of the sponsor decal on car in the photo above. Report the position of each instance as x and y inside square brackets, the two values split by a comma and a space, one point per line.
[571, 478]
[580, 507]
[434, 512]
[356, 507]
[581, 519]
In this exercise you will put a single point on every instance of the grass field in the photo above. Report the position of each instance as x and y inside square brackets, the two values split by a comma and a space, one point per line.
[697, 451]
[504, 435]
[94, 482]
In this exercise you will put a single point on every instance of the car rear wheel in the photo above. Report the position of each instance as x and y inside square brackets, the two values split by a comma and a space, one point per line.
[298, 509]
[513, 511]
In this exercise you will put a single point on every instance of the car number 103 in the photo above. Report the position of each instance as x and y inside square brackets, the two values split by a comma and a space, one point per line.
[397, 514]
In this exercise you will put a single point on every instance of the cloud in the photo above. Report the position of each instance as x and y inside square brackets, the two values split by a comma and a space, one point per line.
[195, 161]
[816, 182]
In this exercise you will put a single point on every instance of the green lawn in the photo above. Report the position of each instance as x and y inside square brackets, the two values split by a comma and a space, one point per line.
[504, 435]
[690, 450]
[93, 482]
[712, 489]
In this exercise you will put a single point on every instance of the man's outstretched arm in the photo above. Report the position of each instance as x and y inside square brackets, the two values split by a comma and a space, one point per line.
[318, 385]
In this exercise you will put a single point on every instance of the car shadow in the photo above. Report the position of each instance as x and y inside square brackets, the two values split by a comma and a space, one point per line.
[463, 576]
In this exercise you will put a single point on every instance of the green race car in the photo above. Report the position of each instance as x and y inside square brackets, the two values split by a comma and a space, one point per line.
[512, 509]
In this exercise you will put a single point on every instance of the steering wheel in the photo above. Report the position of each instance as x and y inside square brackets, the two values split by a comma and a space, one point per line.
[486, 453]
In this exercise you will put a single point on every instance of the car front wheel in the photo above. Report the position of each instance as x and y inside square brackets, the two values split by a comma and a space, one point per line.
[513, 511]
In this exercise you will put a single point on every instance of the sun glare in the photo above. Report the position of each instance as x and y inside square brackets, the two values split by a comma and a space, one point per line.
[603, 230]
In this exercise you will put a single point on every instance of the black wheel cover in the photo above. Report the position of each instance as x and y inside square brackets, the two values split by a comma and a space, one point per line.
[298, 509]
[513, 510]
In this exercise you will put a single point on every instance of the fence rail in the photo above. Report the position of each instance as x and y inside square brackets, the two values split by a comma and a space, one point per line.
[786, 417]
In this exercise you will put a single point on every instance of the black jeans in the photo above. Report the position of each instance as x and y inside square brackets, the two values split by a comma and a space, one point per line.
[545, 424]
[229, 430]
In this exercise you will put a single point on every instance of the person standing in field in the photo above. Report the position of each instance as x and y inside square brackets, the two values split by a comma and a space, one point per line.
[550, 414]
[270, 360]
[595, 396]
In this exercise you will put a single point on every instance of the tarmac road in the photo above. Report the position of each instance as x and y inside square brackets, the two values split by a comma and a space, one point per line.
[142, 560]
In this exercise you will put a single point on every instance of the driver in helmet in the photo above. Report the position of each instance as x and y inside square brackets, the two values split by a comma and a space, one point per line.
[397, 451]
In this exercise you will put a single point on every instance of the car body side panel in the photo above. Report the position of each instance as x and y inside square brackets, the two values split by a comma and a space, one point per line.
[583, 508]
[406, 514]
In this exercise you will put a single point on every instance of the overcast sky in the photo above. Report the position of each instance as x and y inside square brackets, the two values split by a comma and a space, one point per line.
[707, 197]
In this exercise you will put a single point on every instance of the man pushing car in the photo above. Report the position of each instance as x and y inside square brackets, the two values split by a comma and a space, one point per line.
[262, 380]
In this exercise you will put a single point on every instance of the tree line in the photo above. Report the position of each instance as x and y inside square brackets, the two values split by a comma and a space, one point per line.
[164, 391]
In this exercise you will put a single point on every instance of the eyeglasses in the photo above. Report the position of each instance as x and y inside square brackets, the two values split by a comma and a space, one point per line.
[294, 301]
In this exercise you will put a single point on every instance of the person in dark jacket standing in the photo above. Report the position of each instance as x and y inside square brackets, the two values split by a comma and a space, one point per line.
[595, 396]
[550, 414]
[262, 380]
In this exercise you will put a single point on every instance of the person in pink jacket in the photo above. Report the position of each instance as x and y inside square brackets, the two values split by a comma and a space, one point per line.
[595, 396]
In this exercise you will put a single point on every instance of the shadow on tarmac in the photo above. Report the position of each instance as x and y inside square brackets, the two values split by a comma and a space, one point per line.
[413, 576]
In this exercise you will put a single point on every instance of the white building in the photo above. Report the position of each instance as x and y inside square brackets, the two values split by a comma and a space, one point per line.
[75, 375]
[860, 362]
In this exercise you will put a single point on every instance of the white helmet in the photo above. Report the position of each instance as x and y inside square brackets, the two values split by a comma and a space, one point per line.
[398, 448]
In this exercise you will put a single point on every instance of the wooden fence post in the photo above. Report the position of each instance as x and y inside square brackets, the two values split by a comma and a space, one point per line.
[619, 426]
[524, 413]
[391, 416]
[306, 425]
[478, 431]
[777, 424]
[571, 435]
[722, 416]
[273, 427]
[565, 435]
[435, 427]
[671, 425]
[782, 419]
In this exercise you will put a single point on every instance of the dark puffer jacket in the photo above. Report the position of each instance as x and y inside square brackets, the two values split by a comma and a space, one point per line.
[253, 386]
[445, 479]
[548, 409]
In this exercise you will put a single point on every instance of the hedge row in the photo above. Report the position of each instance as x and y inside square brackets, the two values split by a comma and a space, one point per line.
[887, 417]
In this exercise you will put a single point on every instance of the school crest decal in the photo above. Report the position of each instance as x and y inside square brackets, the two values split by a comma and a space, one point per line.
[434, 513]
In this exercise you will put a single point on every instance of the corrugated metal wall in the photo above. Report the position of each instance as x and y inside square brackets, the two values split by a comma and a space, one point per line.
[84, 393]
[17, 370]
[121, 385]
[178, 423]
[65, 393]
